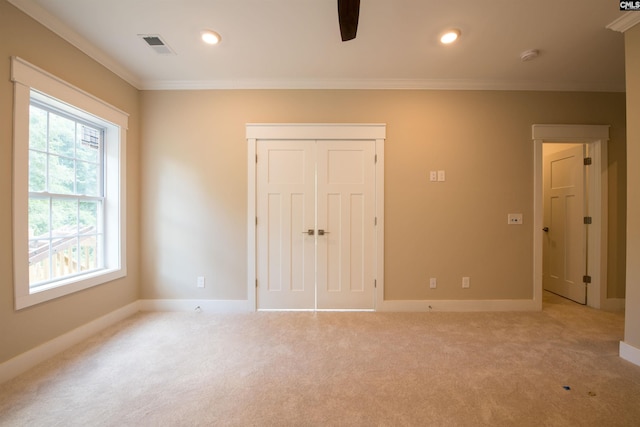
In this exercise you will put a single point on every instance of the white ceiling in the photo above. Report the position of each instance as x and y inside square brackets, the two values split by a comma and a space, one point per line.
[296, 43]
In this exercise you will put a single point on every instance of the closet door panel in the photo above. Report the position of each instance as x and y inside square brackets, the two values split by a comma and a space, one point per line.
[286, 211]
[346, 214]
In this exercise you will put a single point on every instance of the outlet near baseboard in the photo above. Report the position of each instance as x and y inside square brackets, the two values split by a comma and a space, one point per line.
[465, 282]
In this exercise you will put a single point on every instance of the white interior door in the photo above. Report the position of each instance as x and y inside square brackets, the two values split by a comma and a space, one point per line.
[285, 263]
[564, 252]
[346, 214]
[315, 229]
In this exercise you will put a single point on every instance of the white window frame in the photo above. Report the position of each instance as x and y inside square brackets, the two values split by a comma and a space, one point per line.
[27, 77]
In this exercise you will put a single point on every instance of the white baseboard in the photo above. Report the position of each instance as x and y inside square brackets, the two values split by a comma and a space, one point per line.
[27, 360]
[613, 304]
[630, 353]
[206, 306]
[460, 305]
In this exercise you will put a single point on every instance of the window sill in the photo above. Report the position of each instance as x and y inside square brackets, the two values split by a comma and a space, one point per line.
[61, 288]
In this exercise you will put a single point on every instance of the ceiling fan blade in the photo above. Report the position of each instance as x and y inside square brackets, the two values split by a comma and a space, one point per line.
[348, 13]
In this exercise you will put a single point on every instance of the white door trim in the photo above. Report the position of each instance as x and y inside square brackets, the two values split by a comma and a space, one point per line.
[596, 137]
[313, 131]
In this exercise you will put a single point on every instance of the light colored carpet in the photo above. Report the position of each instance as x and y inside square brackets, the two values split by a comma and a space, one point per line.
[323, 369]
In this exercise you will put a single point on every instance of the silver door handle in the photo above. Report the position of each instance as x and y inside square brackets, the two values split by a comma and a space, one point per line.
[322, 232]
[309, 232]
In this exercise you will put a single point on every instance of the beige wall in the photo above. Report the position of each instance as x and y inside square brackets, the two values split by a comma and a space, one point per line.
[23, 330]
[195, 188]
[632, 321]
[191, 157]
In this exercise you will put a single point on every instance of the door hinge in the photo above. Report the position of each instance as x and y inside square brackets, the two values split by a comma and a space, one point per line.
[375, 220]
[256, 221]
[586, 279]
[588, 220]
[375, 158]
[256, 158]
[588, 161]
[256, 283]
[375, 283]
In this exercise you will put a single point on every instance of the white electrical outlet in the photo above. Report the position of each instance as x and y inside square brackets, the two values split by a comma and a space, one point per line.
[433, 283]
[200, 282]
[465, 282]
[433, 176]
[441, 176]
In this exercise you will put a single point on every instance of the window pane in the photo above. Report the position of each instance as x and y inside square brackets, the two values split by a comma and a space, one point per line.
[38, 261]
[64, 217]
[38, 217]
[62, 135]
[65, 257]
[37, 128]
[89, 217]
[88, 253]
[88, 143]
[87, 178]
[61, 175]
[37, 171]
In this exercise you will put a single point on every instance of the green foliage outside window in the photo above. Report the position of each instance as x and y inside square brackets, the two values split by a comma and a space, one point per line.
[65, 191]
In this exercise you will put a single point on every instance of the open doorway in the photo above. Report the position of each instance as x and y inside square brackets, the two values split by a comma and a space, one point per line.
[586, 141]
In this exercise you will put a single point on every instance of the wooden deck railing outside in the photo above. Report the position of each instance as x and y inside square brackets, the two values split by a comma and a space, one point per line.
[70, 255]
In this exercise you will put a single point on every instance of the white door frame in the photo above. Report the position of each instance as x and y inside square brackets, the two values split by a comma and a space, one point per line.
[596, 137]
[313, 131]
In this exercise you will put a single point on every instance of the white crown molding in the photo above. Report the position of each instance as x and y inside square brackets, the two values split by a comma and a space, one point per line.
[626, 21]
[61, 29]
[379, 84]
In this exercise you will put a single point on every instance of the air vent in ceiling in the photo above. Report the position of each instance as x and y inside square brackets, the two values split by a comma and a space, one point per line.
[155, 42]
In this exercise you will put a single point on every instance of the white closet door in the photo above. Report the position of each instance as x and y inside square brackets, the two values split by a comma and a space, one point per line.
[286, 210]
[315, 231]
[346, 213]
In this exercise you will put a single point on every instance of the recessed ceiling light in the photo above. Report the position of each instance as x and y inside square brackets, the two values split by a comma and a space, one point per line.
[449, 36]
[211, 37]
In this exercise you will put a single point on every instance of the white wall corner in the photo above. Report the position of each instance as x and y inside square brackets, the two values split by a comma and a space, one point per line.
[27, 360]
[630, 353]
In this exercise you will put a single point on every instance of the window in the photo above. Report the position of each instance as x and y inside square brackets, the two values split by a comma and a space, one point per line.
[66, 194]
[68, 188]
